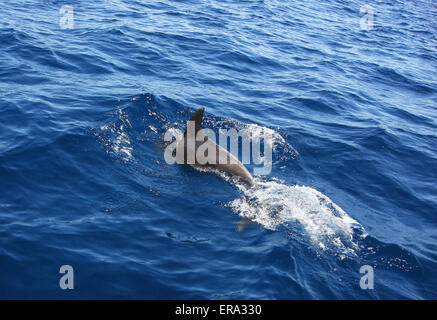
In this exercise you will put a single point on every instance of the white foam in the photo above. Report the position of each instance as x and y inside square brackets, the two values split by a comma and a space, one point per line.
[152, 128]
[303, 211]
[175, 133]
[258, 131]
[119, 143]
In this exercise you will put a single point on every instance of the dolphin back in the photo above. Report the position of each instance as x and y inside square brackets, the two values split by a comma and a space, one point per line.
[223, 160]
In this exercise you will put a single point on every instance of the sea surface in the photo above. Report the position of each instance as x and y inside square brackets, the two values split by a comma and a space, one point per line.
[86, 96]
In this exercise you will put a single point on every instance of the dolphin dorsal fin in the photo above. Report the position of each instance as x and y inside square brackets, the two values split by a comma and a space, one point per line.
[197, 118]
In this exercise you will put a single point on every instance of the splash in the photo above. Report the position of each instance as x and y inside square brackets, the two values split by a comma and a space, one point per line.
[115, 137]
[282, 150]
[303, 212]
[278, 140]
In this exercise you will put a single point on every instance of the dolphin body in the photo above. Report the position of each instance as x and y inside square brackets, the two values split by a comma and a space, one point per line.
[222, 160]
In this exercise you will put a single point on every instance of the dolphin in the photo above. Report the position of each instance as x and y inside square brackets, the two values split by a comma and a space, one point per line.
[222, 160]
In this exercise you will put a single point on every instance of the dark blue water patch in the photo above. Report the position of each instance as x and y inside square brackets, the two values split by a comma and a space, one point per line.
[390, 76]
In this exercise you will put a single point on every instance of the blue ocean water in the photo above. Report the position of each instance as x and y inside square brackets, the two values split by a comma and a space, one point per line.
[83, 181]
